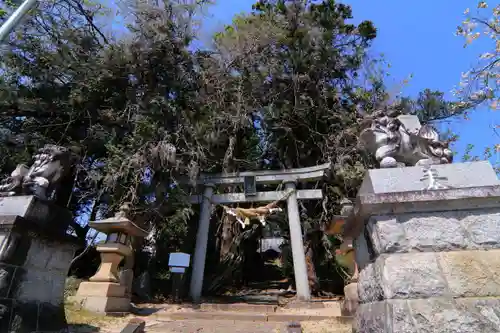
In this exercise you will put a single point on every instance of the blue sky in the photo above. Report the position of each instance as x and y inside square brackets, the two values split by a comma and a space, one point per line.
[416, 37]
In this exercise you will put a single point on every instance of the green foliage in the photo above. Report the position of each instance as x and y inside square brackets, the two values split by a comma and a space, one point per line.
[481, 83]
[429, 105]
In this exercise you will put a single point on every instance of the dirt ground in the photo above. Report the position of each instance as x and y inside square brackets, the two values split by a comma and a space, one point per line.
[215, 326]
[220, 326]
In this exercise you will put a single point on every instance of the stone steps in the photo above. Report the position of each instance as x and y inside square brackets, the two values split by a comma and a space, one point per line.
[270, 308]
[262, 308]
[248, 316]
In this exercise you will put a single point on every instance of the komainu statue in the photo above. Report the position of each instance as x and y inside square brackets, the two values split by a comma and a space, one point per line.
[385, 136]
[50, 165]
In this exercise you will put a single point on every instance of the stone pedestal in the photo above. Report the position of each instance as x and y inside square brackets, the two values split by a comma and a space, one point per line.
[432, 258]
[34, 263]
[111, 256]
[104, 297]
[104, 292]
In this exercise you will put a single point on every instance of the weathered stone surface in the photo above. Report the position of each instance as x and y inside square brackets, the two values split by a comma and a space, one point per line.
[459, 175]
[387, 234]
[483, 226]
[18, 205]
[42, 286]
[436, 231]
[487, 307]
[373, 318]
[60, 259]
[106, 304]
[472, 273]
[101, 289]
[432, 315]
[15, 249]
[428, 274]
[412, 275]
[32, 278]
[370, 286]
[45, 214]
[38, 255]
[457, 199]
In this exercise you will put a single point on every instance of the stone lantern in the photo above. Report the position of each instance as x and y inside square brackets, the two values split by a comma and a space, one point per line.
[105, 291]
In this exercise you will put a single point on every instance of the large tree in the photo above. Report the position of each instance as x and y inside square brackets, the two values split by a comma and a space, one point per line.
[281, 87]
[293, 65]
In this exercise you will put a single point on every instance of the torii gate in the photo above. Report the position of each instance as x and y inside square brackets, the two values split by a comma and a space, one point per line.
[250, 179]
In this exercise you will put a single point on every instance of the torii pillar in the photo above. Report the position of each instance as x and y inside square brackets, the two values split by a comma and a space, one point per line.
[299, 258]
[200, 251]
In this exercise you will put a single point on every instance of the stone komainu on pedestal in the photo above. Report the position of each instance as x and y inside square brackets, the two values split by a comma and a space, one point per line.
[397, 140]
[426, 235]
[430, 260]
[35, 250]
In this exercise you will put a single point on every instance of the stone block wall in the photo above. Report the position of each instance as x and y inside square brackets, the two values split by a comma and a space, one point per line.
[33, 269]
[432, 272]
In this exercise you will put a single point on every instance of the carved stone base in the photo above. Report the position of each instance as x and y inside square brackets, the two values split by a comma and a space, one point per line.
[33, 269]
[102, 289]
[104, 297]
[106, 304]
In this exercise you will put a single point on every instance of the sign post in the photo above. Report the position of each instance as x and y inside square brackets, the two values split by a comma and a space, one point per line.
[178, 262]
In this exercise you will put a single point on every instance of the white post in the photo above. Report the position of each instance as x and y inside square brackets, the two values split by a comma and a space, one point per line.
[15, 18]
[200, 251]
[299, 258]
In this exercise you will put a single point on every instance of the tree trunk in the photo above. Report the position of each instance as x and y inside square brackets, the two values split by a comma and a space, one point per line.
[311, 270]
[227, 233]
